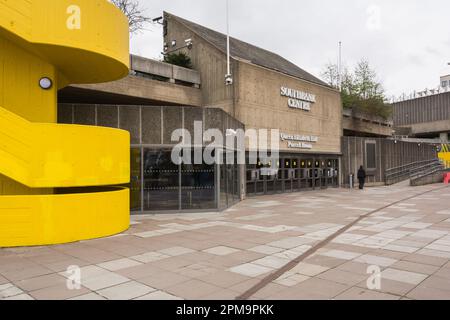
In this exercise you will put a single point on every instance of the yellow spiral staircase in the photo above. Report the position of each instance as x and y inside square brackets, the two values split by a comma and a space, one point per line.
[59, 183]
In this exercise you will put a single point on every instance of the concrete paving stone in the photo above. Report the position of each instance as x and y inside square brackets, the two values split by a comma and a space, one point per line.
[185, 290]
[438, 247]
[434, 253]
[417, 225]
[392, 287]
[415, 267]
[88, 297]
[9, 290]
[290, 243]
[290, 279]
[268, 291]
[339, 254]
[164, 279]
[272, 262]
[324, 261]
[266, 249]
[403, 276]
[20, 297]
[443, 273]
[356, 293]
[224, 279]
[139, 272]
[429, 233]
[343, 277]
[221, 295]
[374, 242]
[292, 253]
[425, 259]
[307, 269]
[444, 212]
[355, 267]
[103, 281]
[398, 248]
[425, 293]
[325, 288]
[375, 260]
[158, 295]
[251, 270]
[348, 238]
[59, 292]
[221, 251]
[176, 251]
[150, 257]
[126, 291]
[436, 283]
[120, 264]
[41, 282]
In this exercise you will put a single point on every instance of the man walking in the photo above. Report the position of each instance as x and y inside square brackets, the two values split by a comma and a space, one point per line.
[361, 177]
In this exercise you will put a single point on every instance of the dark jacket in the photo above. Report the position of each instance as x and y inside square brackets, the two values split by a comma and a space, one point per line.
[361, 174]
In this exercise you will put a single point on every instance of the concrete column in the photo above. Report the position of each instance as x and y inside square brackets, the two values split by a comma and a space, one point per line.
[444, 137]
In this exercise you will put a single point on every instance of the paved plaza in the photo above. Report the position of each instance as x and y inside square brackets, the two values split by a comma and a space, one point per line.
[224, 255]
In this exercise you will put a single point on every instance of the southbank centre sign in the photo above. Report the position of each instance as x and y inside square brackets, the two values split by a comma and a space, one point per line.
[298, 99]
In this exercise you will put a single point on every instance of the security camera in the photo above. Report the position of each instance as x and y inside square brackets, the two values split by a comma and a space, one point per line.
[228, 80]
[188, 43]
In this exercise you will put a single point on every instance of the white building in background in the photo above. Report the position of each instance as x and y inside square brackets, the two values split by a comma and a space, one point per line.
[445, 81]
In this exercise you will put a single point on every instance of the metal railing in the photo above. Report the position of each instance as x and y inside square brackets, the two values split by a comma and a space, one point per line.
[402, 173]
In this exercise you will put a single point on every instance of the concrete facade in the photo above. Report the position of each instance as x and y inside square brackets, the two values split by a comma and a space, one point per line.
[150, 83]
[255, 97]
[426, 117]
[357, 124]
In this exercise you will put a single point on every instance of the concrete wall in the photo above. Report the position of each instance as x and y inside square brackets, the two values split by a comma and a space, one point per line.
[388, 155]
[437, 177]
[171, 72]
[154, 91]
[430, 114]
[260, 105]
[209, 62]
[255, 97]
[356, 124]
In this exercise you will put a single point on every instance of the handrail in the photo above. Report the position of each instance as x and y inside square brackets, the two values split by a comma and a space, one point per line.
[412, 164]
[405, 172]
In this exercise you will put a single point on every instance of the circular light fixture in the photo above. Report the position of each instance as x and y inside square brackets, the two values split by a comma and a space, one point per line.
[45, 83]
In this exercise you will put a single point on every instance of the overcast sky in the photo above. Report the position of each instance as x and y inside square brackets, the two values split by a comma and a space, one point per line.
[406, 41]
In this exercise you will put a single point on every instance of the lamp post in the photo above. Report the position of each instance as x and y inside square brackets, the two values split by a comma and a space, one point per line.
[228, 76]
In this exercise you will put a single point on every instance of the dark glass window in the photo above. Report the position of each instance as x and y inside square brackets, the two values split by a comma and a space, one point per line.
[197, 186]
[135, 184]
[161, 181]
[371, 160]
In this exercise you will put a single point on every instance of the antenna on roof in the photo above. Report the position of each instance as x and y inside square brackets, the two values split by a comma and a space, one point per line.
[228, 76]
[340, 66]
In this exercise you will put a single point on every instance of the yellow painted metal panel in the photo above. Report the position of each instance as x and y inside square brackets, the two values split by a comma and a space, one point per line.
[41, 155]
[42, 38]
[87, 40]
[54, 219]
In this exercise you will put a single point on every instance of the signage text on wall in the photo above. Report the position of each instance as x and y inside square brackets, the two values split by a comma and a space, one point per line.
[299, 141]
[298, 99]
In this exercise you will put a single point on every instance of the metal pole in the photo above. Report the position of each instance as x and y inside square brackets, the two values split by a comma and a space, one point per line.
[228, 38]
[340, 66]
[228, 76]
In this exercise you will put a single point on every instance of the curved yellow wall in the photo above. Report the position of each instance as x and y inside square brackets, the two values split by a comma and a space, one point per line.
[52, 219]
[68, 41]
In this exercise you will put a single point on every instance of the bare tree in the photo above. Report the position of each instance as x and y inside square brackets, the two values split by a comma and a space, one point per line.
[135, 14]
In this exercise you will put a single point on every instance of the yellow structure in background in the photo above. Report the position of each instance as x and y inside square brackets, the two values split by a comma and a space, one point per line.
[444, 155]
[59, 183]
